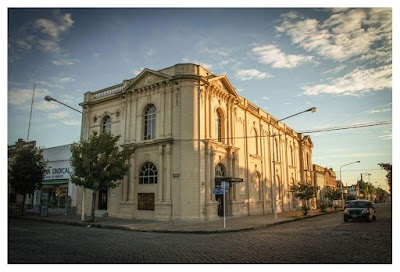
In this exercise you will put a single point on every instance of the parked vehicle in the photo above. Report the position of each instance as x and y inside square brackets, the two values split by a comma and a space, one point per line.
[360, 210]
[346, 204]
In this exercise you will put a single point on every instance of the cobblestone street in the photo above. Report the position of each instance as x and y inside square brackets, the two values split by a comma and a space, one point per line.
[323, 239]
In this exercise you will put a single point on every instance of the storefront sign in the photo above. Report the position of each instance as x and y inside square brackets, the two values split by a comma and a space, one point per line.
[58, 171]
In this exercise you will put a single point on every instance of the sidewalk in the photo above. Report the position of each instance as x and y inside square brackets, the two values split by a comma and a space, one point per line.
[232, 223]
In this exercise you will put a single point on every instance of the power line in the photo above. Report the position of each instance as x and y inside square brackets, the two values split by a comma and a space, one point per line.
[303, 132]
[349, 127]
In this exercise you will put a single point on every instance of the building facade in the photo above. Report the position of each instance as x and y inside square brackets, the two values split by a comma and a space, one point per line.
[190, 130]
[325, 179]
[56, 185]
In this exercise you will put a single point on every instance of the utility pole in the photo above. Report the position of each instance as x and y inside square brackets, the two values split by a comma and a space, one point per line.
[30, 116]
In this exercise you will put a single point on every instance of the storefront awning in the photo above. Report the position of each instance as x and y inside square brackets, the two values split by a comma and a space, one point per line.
[55, 181]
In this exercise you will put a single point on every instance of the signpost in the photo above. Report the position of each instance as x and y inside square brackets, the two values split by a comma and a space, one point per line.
[222, 191]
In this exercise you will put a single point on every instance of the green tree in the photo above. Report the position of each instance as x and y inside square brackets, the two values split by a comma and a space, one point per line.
[388, 168]
[25, 174]
[99, 164]
[333, 194]
[304, 192]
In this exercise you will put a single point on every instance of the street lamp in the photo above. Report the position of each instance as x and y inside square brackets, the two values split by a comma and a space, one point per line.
[362, 174]
[341, 182]
[313, 109]
[49, 99]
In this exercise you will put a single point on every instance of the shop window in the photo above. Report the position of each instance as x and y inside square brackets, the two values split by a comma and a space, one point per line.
[146, 201]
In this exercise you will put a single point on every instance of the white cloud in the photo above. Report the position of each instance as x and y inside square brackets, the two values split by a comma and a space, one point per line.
[59, 115]
[65, 80]
[72, 122]
[356, 82]
[373, 111]
[63, 62]
[335, 70]
[271, 54]
[43, 33]
[53, 28]
[347, 33]
[265, 98]
[251, 74]
[205, 65]
[217, 52]
[22, 98]
[386, 136]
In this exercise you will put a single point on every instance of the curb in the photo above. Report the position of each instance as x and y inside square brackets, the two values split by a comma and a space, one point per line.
[128, 228]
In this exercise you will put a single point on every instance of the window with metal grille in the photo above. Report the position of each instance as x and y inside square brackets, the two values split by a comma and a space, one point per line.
[148, 173]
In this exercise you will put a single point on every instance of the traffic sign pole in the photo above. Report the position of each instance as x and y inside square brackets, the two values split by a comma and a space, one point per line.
[224, 186]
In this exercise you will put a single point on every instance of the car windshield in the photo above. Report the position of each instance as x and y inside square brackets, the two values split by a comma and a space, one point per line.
[358, 204]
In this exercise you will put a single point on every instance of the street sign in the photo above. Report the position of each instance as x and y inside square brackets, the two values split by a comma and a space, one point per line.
[220, 191]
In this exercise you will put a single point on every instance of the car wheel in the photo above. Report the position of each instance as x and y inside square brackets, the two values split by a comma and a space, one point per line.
[345, 220]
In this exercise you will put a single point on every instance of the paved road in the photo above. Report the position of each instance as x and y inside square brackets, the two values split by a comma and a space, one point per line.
[323, 239]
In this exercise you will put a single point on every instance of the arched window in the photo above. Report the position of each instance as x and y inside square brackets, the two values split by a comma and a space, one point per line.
[219, 126]
[254, 146]
[219, 172]
[291, 156]
[276, 150]
[148, 173]
[107, 124]
[150, 122]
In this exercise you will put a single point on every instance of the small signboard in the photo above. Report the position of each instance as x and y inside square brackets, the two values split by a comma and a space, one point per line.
[218, 191]
[176, 176]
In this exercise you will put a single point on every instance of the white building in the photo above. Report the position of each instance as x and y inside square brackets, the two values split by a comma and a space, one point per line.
[56, 185]
[188, 127]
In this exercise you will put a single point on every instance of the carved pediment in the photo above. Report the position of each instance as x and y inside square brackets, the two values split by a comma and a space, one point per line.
[147, 78]
[224, 85]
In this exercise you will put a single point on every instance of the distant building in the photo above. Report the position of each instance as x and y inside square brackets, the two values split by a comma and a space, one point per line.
[190, 131]
[56, 185]
[353, 191]
[325, 179]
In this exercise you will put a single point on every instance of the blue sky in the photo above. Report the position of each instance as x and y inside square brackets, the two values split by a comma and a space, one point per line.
[283, 60]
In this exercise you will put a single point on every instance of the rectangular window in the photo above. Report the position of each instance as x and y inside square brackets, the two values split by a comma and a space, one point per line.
[146, 201]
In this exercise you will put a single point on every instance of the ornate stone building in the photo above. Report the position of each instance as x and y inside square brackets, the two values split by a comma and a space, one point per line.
[189, 128]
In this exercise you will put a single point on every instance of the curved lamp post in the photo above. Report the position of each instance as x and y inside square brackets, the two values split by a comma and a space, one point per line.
[341, 182]
[49, 99]
[313, 109]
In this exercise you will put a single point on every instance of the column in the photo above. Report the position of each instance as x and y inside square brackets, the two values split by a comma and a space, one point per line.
[162, 112]
[168, 152]
[212, 173]
[160, 179]
[207, 172]
[125, 188]
[131, 179]
[235, 174]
